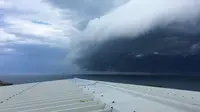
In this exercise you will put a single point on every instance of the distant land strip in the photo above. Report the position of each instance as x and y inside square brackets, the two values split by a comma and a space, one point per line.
[5, 83]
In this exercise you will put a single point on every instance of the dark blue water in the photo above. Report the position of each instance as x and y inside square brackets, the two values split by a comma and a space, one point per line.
[183, 82]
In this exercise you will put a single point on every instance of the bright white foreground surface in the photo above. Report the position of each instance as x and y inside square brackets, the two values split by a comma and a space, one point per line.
[129, 98]
[78, 95]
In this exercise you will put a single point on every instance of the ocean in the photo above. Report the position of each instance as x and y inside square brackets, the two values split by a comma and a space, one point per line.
[183, 82]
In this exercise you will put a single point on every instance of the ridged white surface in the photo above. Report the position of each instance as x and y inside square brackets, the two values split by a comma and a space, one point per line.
[78, 95]
[50, 96]
[130, 98]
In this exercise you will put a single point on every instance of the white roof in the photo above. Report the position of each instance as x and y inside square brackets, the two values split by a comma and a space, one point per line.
[78, 95]
[51, 96]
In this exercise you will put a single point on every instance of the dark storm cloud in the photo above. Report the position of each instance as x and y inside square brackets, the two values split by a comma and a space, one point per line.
[140, 27]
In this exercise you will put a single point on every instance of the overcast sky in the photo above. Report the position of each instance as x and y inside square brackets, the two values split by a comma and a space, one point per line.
[38, 36]
[35, 35]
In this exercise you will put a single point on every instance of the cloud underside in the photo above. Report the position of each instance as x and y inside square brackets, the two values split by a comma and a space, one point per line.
[147, 30]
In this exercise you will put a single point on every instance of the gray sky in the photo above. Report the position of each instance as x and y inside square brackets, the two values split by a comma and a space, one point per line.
[44, 36]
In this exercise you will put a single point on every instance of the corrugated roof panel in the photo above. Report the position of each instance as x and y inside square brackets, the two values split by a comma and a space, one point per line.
[51, 96]
[61, 106]
[130, 97]
[7, 92]
[83, 109]
[78, 95]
